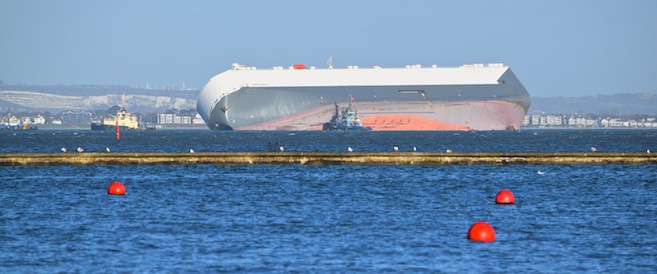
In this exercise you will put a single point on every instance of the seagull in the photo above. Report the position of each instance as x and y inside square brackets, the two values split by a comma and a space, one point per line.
[540, 172]
[414, 149]
[395, 148]
[191, 150]
[107, 149]
[593, 149]
[448, 151]
[281, 148]
[648, 151]
[80, 150]
[350, 149]
[63, 150]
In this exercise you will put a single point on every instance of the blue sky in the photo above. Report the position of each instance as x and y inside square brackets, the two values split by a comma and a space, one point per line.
[556, 48]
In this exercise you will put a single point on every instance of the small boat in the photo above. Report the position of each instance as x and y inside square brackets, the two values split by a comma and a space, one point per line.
[347, 119]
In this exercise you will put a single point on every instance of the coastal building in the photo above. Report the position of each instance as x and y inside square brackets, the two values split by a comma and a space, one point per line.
[543, 120]
[39, 120]
[527, 120]
[172, 118]
[198, 120]
[554, 120]
[579, 121]
[79, 117]
[536, 120]
[10, 120]
[648, 122]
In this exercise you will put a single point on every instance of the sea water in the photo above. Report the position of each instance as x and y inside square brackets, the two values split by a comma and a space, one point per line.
[51, 141]
[339, 218]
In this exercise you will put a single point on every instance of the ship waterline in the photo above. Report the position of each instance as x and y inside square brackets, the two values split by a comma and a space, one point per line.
[464, 98]
[463, 115]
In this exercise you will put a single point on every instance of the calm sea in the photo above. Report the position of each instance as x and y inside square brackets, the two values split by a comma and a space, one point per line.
[205, 218]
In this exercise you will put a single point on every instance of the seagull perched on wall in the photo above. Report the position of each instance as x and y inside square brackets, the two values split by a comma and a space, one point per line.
[107, 149]
[414, 149]
[350, 149]
[593, 149]
[63, 150]
[281, 148]
[648, 151]
[395, 148]
[80, 150]
[191, 150]
[448, 151]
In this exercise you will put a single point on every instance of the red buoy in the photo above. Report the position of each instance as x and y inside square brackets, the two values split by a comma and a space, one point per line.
[116, 188]
[481, 232]
[505, 197]
[299, 66]
[118, 130]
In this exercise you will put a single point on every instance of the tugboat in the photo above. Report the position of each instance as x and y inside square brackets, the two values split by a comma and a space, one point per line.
[123, 120]
[345, 120]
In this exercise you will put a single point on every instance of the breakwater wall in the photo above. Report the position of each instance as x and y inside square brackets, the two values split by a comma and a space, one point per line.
[326, 158]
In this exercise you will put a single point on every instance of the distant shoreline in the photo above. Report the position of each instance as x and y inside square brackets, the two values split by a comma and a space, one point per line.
[588, 128]
[204, 127]
[88, 127]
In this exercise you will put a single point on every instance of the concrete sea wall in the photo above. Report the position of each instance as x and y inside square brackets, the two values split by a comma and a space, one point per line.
[325, 158]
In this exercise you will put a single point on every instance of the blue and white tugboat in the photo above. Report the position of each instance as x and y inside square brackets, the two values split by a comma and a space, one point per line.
[347, 119]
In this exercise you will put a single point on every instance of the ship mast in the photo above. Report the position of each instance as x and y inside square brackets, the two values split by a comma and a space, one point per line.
[122, 113]
[329, 63]
[123, 102]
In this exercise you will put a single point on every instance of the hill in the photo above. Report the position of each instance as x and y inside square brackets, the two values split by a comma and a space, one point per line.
[92, 97]
[97, 97]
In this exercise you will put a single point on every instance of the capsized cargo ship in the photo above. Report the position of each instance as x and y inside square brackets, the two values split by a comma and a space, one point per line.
[469, 97]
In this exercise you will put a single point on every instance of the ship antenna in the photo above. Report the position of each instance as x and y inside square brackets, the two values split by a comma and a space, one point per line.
[123, 101]
[329, 63]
